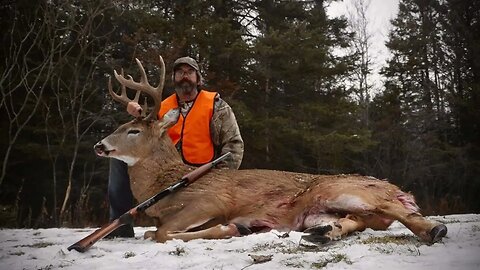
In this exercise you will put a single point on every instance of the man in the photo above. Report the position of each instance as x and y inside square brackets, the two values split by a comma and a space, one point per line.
[206, 129]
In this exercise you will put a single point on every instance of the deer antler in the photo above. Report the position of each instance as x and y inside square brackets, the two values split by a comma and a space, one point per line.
[142, 86]
[123, 98]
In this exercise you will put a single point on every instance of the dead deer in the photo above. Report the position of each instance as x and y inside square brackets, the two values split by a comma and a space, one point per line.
[226, 203]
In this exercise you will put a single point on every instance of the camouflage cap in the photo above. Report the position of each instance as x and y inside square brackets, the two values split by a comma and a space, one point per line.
[186, 60]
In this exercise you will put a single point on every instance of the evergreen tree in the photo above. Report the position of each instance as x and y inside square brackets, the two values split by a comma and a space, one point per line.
[307, 120]
[461, 24]
[413, 115]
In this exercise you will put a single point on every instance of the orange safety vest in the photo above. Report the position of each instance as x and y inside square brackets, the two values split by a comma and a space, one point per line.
[193, 130]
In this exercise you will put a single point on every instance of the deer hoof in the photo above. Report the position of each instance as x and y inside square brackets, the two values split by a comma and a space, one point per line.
[317, 234]
[316, 239]
[319, 229]
[242, 229]
[438, 232]
[149, 234]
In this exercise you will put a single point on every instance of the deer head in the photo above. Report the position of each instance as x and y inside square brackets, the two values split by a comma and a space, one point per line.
[140, 137]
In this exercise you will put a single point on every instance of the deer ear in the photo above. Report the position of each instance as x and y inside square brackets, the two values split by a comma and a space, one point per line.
[169, 119]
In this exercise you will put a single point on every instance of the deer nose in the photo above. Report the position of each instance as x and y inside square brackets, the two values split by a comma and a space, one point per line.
[99, 148]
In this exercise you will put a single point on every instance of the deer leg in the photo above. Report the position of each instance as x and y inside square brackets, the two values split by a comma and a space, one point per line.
[216, 232]
[164, 211]
[196, 220]
[334, 230]
[427, 230]
[149, 234]
[177, 225]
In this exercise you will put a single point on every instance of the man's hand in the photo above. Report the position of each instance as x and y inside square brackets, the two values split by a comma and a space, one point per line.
[133, 108]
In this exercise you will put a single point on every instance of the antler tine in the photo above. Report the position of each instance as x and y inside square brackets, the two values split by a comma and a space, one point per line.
[144, 107]
[137, 96]
[144, 86]
[159, 90]
[122, 98]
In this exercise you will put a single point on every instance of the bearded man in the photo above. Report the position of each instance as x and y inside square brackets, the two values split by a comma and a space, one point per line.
[206, 129]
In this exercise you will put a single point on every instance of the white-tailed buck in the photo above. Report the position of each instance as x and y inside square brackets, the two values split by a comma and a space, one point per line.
[226, 203]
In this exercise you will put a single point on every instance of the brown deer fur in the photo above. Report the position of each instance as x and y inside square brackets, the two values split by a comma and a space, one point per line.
[226, 203]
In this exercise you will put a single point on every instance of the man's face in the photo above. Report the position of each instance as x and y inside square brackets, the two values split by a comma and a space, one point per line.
[185, 79]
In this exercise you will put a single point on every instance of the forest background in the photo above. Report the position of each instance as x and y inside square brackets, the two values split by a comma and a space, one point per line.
[300, 84]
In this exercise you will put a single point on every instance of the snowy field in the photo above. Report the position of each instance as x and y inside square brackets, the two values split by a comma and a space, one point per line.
[395, 248]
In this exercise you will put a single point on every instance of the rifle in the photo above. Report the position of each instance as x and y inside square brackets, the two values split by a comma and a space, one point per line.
[127, 218]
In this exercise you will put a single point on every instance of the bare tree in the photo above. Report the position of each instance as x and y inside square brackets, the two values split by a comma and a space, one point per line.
[59, 54]
[361, 47]
[73, 88]
[22, 81]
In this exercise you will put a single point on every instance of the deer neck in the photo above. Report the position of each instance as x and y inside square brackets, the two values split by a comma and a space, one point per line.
[159, 170]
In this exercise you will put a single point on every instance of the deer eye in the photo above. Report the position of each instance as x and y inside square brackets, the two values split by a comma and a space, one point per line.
[133, 131]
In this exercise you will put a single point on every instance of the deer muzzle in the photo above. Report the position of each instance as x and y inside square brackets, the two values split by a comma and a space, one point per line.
[101, 150]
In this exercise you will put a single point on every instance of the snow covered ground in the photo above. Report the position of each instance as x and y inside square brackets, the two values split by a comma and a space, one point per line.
[395, 248]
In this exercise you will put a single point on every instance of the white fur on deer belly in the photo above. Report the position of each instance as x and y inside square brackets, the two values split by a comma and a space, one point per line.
[257, 225]
[347, 202]
[318, 219]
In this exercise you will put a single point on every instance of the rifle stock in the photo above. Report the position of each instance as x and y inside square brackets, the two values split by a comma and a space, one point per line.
[127, 218]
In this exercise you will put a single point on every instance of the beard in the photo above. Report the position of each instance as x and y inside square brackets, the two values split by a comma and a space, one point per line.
[185, 86]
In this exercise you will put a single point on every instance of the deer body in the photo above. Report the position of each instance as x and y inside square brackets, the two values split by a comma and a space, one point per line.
[226, 203]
